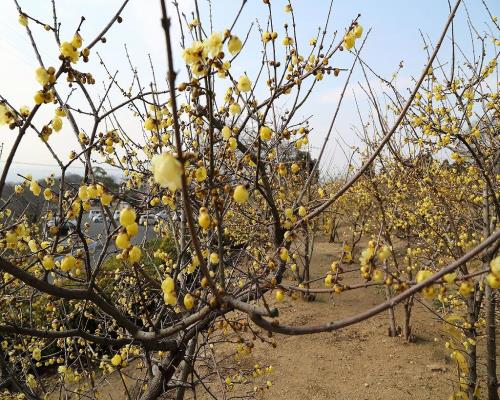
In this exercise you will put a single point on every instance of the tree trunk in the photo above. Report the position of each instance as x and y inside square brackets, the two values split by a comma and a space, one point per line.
[185, 368]
[390, 311]
[490, 308]
[333, 231]
[164, 374]
[473, 307]
[491, 361]
[308, 250]
[408, 305]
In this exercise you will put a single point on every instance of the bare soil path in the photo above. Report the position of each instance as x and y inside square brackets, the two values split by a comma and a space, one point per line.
[356, 363]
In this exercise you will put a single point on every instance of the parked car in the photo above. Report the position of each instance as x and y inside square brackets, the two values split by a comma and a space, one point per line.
[93, 213]
[97, 218]
[163, 214]
[147, 219]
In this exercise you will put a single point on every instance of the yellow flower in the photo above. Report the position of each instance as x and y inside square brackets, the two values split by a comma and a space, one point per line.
[106, 199]
[349, 40]
[38, 98]
[122, 241]
[167, 171]
[204, 218]
[232, 143]
[466, 288]
[188, 301]
[265, 133]
[168, 285]
[37, 354]
[23, 20]
[226, 132]
[366, 255]
[495, 265]
[33, 245]
[240, 194]
[134, 255]
[35, 188]
[25, 111]
[358, 31]
[200, 174]
[234, 45]
[31, 381]
[127, 216]
[68, 263]
[116, 360]
[48, 262]
[214, 43]
[244, 84]
[76, 42]
[57, 124]
[378, 275]
[132, 229]
[493, 281]
[450, 278]
[11, 237]
[60, 112]
[195, 54]
[282, 169]
[83, 193]
[169, 295]
[42, 76]
[423, 275]
[170, 298]
[7, 116]
[69, 51]
[384, 253]
[235, 108]
[150, 124]
[214, 258]
[280, 296]
[283, 254]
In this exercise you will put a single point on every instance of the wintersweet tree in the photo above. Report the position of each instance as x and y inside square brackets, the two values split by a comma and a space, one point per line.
[225, 161]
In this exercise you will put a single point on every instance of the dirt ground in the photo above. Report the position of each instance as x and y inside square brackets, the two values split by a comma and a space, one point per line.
[356, 363]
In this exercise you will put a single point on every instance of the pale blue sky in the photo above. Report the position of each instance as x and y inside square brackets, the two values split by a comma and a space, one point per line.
[395, 37]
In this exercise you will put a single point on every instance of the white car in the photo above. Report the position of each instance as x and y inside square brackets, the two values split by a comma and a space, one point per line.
[97, 218]
[93, 213]
[164, 215]
[147, 219]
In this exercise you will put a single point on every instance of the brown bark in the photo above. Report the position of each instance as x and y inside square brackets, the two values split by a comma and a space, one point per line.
[491, 361]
